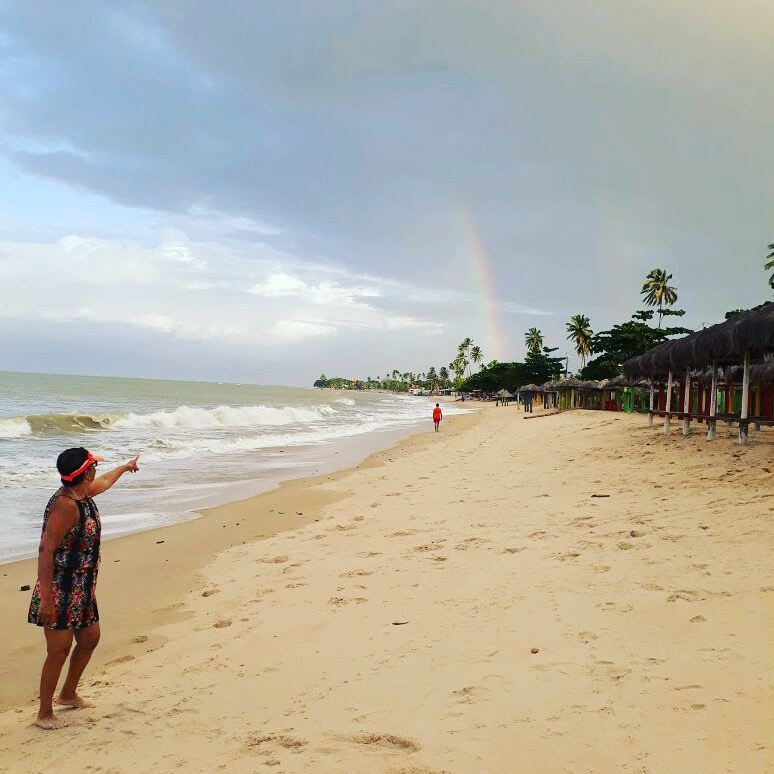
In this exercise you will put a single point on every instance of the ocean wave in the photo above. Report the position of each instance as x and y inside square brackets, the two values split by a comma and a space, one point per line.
[40, 424]
[14, 428]
[345, 401]
[225, 416]
[184, 417]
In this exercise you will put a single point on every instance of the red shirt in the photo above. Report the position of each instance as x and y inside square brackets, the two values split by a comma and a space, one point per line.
[437, 415]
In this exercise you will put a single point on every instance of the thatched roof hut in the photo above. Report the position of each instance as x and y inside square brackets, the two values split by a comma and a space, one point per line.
[724, 343]
[566, 384]
[746, 339]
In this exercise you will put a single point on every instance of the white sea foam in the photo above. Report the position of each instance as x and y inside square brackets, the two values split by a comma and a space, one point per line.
[345, 401]
[225, 416]
[14, 428]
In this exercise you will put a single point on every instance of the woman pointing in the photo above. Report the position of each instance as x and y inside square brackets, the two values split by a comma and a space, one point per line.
[64, 601]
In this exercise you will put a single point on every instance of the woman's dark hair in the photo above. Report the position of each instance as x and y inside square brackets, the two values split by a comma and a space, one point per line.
[70, 460]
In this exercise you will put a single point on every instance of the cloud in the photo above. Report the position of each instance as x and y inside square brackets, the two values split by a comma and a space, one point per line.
[299, 330]
[291, 174]
[176, 287]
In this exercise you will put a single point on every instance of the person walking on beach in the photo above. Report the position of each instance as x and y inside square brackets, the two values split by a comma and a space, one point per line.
[63, 601]
[437, 417]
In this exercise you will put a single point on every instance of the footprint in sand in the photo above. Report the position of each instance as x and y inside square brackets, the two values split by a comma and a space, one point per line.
[140, 638]
[513, 550]
[222, 623]
[471, 542]
[210, 592]
[469, 694]
[268, 745]
[120, 660]
[274, 559]
[615, 607]
[389, 741]
[568, 555]
[434, 546]
[339, 601]
[684, 594]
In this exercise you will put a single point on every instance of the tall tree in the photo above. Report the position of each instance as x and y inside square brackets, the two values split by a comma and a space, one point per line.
[770, 264]
[658, 292]
[580, 334]
[458, 365]
[463, 350]
[476, 355]
[533, 340]
[621, 342]
[443, 373]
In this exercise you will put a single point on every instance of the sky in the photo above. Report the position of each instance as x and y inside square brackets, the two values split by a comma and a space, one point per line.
[258, 191]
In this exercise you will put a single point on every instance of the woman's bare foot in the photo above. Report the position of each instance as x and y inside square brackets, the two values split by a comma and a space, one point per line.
[49, 723]
[75, 702]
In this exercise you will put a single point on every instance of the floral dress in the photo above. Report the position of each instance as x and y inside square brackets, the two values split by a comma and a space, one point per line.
[76, 562]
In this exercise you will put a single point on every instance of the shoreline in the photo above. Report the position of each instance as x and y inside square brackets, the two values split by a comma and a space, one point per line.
[309, 461]
[181, 551]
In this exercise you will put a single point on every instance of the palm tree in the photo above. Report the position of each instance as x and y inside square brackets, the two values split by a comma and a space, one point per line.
[770, 264]
[658, 292]
[465, 345]
[580, 332]
[533, 340]
[443, 373]
[476, 355]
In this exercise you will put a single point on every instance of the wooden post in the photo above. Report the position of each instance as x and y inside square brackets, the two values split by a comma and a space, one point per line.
[713, 410]
[650, 413]
[758, 405]
[745, 398]
[667, 418]
[687, 402]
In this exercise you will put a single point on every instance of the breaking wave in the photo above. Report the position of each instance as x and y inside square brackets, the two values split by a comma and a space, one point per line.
[181, 417]
[226, 416]
[14, 428]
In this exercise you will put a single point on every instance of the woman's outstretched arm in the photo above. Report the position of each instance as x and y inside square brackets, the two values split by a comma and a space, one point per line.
[103, 483]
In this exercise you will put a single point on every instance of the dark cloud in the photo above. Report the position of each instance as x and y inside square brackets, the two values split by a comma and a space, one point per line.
[589, 144]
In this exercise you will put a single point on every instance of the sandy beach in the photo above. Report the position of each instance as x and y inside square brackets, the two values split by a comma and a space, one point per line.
[568, 593]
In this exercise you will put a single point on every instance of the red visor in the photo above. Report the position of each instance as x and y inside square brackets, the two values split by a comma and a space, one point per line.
[90, 460]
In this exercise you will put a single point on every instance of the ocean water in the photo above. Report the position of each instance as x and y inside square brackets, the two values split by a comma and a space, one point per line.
[199, 443]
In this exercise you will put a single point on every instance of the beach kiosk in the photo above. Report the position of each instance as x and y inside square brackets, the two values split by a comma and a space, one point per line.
[719, 373]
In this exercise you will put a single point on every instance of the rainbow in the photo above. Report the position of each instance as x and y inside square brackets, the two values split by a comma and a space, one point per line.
[487, 294]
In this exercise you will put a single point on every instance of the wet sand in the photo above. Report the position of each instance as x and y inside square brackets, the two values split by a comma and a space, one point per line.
[570, 593]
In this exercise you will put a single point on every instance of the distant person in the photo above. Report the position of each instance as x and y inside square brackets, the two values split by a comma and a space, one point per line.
[437, 417]
[528, 402]
[64, 601]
